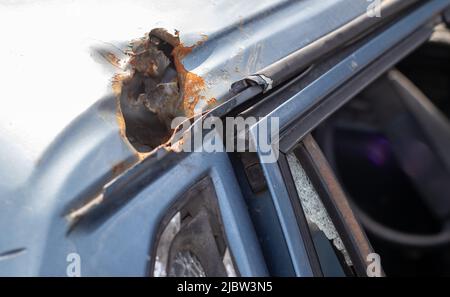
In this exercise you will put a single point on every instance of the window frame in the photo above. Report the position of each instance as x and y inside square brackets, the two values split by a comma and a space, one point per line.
[307, 108]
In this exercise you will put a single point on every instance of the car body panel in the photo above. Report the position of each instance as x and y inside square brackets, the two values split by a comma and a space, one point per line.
[62, 137]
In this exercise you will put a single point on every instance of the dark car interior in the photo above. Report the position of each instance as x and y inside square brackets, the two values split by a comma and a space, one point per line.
[388, 147]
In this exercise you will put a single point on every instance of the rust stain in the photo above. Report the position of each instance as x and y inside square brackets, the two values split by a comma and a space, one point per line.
[211, 101]
[117, 82]
[120, 167]
[112, 59]
[120, 120]
[191, 84]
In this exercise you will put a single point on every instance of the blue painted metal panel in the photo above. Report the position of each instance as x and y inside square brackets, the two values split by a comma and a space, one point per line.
[60, 137]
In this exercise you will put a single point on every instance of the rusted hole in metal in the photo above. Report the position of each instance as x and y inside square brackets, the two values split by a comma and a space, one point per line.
[155, 89]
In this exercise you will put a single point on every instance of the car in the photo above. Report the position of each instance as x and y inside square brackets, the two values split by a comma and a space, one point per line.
[323, 147]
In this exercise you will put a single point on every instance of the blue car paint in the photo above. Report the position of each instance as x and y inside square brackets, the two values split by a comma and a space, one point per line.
[37, 187]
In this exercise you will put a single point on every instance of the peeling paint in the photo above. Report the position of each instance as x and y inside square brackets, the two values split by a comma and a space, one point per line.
[73, 216]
